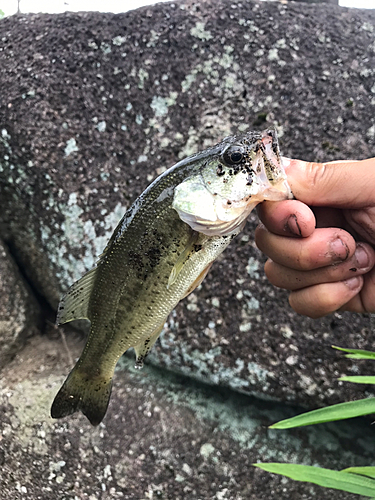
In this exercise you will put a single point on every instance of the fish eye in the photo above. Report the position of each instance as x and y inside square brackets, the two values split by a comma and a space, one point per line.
[233, 156]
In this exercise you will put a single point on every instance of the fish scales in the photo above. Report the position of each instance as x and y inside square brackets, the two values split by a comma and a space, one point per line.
[159, 252]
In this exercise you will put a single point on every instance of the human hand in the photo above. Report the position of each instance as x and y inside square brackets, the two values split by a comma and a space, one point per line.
[321, 247]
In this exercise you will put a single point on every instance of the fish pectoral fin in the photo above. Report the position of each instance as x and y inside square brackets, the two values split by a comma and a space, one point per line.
[74, 304]
[183, 257]
[198, 280]
[144, 347]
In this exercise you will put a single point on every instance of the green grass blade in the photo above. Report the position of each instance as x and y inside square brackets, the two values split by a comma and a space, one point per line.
[359, 379]
[340, 411]
[328, 478]
[363, 471]
[356, 353]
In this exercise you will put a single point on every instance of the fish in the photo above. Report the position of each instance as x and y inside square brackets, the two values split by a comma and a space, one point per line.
[161, 250]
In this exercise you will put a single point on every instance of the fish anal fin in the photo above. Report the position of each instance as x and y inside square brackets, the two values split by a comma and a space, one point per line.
[182, 258]
[74, 304]
[144, 347]
[81, 392]
[198, 280]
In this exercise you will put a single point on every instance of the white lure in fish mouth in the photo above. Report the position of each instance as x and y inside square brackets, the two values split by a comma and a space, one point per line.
[217, 200]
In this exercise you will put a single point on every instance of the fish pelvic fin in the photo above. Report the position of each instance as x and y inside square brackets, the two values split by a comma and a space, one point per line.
[75, 303]
[83, 392]
[183, 257]
[198, 280]
[143, 348]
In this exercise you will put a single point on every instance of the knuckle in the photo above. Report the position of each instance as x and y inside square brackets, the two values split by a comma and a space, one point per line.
[304, 257]
[319, 300]
[329, 298]
[270, 269]
[318, 179]
[316, 173]
[258, 235]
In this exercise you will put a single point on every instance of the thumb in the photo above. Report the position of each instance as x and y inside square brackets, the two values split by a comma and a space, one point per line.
[342, 184]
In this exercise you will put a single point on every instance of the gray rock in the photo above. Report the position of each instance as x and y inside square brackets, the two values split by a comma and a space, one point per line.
[20, 314]
[332, 2]
[95, 106]
[163, 437]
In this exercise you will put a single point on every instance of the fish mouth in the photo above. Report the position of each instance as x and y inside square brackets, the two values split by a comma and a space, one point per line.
[211, 208]
[272, 180]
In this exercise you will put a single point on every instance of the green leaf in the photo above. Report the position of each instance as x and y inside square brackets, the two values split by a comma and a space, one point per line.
[363, 471]
[328, 478]
[329, 414]
[356, 353]
[359, 379]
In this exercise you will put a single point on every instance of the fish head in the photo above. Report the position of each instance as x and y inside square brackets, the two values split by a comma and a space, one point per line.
[231, 180]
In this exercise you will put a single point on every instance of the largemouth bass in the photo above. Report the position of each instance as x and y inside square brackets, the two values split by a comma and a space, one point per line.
[159, 253]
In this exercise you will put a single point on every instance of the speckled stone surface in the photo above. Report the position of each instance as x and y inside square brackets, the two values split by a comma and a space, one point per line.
[163, 437]
[20, 315]
[95, 106]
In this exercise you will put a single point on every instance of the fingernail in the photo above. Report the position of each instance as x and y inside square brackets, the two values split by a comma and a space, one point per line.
[339, 250]
[361, 257]
[353, 283]
[292, 225]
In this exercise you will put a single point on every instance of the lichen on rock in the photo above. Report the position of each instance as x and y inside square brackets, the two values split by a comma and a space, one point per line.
[108, 102]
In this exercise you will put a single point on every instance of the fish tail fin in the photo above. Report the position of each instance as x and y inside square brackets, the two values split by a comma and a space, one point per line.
[83, 392]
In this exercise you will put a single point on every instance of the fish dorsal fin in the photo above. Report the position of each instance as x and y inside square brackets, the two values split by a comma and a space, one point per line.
[75, 303]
